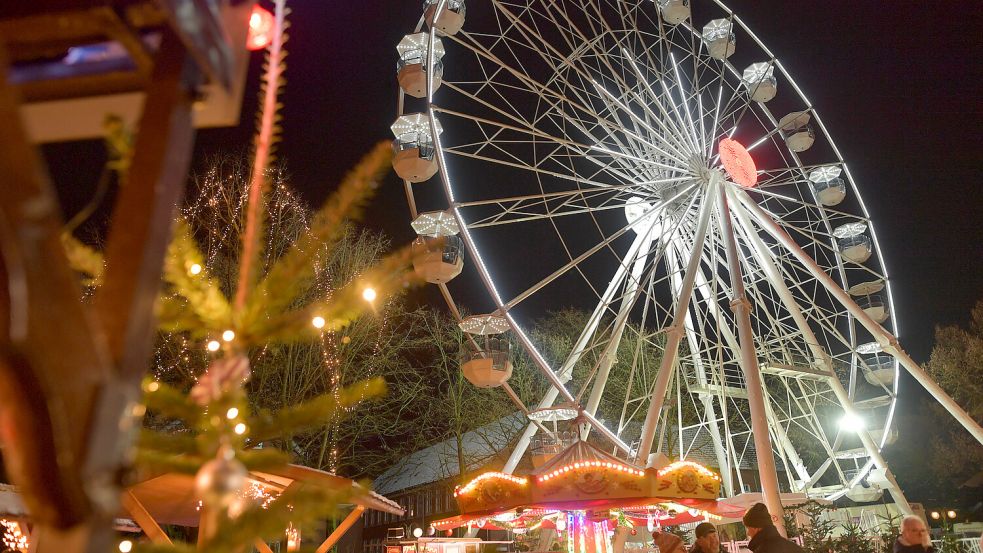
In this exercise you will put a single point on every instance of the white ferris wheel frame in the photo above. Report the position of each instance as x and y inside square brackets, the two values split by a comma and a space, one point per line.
[733, 206]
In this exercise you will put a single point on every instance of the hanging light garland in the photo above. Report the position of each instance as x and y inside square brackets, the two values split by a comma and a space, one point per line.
[618, 467]
[678, 465]
[13, 538]
[486, 476]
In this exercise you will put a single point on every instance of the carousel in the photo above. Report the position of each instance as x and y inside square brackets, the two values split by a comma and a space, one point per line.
[586, 501]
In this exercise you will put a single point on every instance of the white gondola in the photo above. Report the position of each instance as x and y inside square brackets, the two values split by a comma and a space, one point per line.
[411, 70]
[880, 370]
[438, 253]
[674, 12]
[799, 135]
[862, 494]
[720, 38]
[451, 18]
[759, 78]
[828, 185]
[854, 245]
[488, 365]
[873, 303]
[414, 158]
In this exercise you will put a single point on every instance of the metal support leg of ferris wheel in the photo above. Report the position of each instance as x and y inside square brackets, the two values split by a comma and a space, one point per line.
[628, 298]
[675, 334]
[749, 363]
[701, 379]
[887, 340]
[578, 349]
[771, 272]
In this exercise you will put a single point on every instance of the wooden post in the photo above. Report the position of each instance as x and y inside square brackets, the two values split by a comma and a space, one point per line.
[143, 518]
[340, 531]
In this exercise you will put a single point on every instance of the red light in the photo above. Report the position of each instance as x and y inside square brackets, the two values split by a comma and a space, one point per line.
[260, 29]
[738, 163]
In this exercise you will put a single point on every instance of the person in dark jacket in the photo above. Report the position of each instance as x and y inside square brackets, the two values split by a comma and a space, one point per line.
[764, 536]
[707, 540]
[914, 537]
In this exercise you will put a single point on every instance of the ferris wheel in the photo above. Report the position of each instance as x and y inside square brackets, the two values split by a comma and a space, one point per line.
[654, 164]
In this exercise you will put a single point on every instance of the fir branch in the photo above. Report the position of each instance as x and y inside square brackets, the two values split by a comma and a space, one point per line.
[170, 402]
[170, 442]
[84, 259]
[204, 295]
[165, 462]
[390, 276]
[263, 459]
[315, 412]
[264, 150]
[174, 316]
[289, 277]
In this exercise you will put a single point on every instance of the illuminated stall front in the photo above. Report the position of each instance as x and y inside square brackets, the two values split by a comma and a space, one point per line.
[587, 500]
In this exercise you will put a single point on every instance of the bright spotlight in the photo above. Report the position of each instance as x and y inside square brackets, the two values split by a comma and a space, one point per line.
[851, 423]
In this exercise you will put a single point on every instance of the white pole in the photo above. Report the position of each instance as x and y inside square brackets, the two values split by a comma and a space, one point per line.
[752, 374]
[771, 272]
[610, 354]
[888, 341]
[701, 378]
[675, 334]
[575, 354]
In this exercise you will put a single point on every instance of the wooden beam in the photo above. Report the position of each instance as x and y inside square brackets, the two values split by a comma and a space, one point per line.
[54, 359]
[143, 518]
[341, 530]
[140, 231]
[262, 546]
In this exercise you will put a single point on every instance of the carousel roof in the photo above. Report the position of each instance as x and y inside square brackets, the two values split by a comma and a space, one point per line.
[580, 452]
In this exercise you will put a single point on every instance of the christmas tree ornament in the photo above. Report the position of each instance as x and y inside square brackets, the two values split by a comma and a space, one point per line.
[220, 481]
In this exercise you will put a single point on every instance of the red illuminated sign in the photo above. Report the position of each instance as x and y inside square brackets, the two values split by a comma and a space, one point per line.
[738, 163]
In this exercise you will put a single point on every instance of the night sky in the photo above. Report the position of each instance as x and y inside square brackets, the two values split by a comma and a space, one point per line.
[898, 89]
[897, 84]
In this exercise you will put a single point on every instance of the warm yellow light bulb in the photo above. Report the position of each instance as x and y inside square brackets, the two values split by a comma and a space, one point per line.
[951, 514]
[214, 345]
[369, 294]
[318, 322]
[232, 413]
[194, 269]
[240, 429]
[125, 546]
[228, 335]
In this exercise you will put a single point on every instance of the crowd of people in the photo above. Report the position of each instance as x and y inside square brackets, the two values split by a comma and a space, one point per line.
[765, 538]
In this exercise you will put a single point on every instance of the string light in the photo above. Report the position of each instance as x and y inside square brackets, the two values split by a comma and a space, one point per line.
[213, 345]
[228, 335]
[486, 476]
[232, 413]
[125, 546]
[13, 538]
[690, 464]
[617, 467]
[318, 322]
[369, 294]
[240, 429]
[194, 269]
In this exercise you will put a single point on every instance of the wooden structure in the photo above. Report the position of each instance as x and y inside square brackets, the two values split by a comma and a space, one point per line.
[170, 499]
[70, 372]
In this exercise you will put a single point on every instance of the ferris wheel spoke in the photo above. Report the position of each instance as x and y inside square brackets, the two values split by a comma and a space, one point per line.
[612, 72]
[603, 244]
